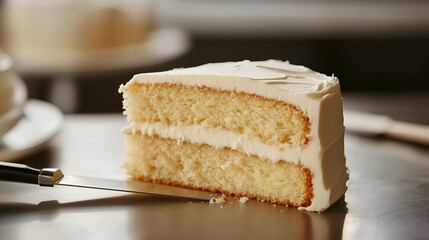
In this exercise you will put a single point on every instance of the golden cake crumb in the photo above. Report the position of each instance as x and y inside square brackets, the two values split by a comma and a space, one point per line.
[221, 199]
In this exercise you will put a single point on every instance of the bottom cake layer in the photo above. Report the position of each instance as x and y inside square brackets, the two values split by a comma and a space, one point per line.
[225, 170]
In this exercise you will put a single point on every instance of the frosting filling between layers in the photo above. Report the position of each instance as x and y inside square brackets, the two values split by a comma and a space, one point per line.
[220, 138]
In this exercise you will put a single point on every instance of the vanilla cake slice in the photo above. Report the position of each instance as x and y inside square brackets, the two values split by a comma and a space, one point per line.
[268, 130]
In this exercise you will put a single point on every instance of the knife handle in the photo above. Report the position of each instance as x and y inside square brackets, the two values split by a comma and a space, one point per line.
[408, 131]
[19, 173]
[24, 174]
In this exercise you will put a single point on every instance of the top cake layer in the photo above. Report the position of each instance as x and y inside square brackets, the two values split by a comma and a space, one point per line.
[315, 95]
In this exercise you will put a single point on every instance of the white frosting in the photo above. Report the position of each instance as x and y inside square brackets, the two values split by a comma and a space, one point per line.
[316, 95]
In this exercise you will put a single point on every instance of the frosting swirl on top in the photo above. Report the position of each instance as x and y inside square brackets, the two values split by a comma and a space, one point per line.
[273, 72]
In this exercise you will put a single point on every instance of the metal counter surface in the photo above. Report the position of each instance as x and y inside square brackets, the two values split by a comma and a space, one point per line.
[387, 197]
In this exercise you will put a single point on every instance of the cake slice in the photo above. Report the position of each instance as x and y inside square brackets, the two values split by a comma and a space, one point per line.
[268, 130]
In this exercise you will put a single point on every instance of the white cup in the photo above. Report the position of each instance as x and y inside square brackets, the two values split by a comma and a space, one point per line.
[13, 95]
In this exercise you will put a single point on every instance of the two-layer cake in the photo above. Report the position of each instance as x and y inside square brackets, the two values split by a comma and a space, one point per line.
[268, 130]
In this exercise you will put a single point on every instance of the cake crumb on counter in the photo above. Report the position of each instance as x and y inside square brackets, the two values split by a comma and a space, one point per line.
[221, 199]
[243, 199]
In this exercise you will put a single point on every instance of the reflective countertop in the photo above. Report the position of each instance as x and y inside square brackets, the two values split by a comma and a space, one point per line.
[387, 197]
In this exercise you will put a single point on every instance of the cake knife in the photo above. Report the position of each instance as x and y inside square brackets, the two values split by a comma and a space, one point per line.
[375, 124]
[49, 177]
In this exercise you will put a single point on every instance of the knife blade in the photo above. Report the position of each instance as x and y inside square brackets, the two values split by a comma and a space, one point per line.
[375, 124]
[49, 177]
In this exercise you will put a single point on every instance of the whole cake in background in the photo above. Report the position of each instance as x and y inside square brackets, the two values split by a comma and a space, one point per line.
[268, 130]
[51, 32]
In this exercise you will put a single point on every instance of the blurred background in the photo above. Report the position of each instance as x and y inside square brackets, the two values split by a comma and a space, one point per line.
[75, 54]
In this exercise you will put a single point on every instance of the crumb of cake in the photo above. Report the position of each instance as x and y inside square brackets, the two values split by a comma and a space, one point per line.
[275, 205]
[221, 206]
[244, 199]
[281, 210]
[218, 200]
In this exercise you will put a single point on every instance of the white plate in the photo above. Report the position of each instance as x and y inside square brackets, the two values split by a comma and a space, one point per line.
[41, 122]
